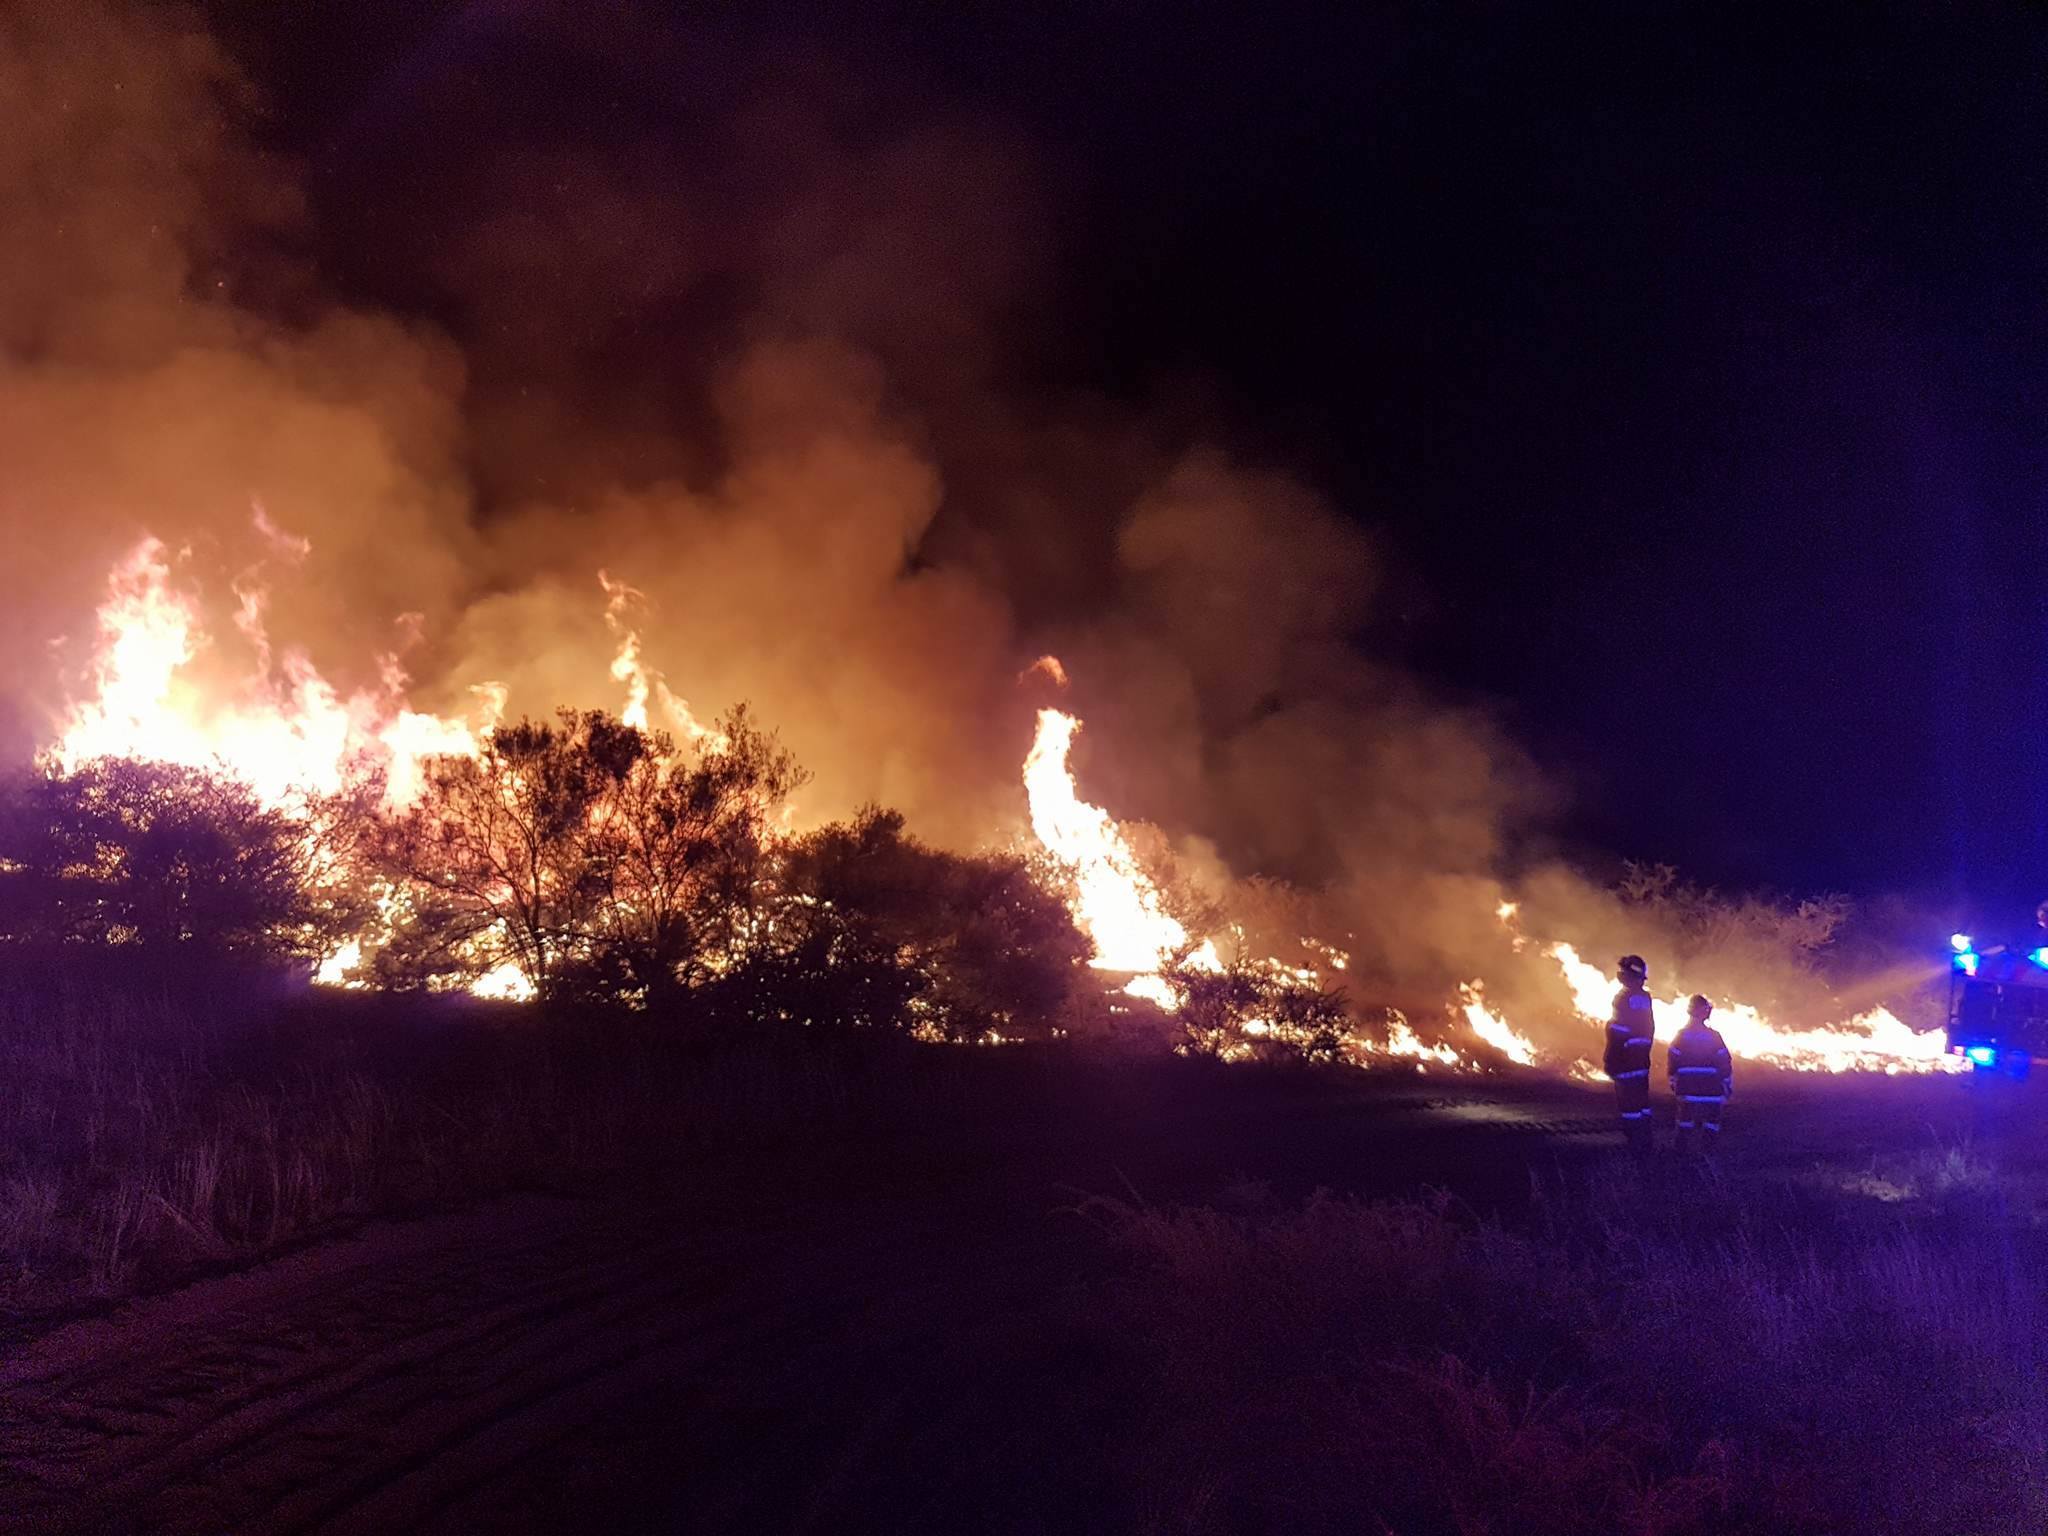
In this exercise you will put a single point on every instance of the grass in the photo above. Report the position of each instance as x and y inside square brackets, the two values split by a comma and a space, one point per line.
[143, 1137]
[1674, 1354]
[1752, 1347]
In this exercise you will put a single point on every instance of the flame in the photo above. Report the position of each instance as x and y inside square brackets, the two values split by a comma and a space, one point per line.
[334, 971]
[278, 725]
[1122, 911]
[1048, 667]
[1492, 1028]
[505, 982]
[640, 681]
[288, 733]
[1404, 1043]
[283, 728]
[1153, 989]
[1116, 904]
[1876, 1041]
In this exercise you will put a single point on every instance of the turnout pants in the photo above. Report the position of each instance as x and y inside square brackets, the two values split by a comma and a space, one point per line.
[1699, 1118]
[1632, 1102]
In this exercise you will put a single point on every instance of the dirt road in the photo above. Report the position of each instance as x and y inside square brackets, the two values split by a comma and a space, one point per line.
[894, 1331]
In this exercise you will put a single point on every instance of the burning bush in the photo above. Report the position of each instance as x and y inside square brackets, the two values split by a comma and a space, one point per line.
[585, 859]
[1246, 1009]
[592, 857]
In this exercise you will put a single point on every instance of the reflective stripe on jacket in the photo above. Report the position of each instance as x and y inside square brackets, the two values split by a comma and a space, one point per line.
[1699, 1063]
[1630, 1034]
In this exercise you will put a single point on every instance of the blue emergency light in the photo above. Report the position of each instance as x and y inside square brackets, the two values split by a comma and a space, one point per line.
[1960, 943]
[1966, 962]
[2039, 956]
[1983, 1055]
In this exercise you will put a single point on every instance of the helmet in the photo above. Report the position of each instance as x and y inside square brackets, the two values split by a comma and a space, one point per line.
[1632, 965]
[1699, 1007]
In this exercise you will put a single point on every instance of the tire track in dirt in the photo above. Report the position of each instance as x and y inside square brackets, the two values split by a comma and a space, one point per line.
[541, 1407]
[168, 1360]
[241, 1406]
[274, 1408]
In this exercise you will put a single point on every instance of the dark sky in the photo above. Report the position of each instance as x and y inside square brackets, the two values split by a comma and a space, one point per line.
[1688, 359]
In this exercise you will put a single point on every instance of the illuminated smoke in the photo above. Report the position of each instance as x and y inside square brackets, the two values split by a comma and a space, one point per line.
[640, 681]
[843, 519]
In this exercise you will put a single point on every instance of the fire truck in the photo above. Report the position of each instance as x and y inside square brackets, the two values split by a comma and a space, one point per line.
[1998, 1005]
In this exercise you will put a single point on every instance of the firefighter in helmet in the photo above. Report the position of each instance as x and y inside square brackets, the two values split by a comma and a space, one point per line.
[1702, 1075]
[1630, 1034]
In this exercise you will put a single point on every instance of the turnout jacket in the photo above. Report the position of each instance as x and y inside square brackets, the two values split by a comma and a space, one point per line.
[1630, 1034]
[1700, 1065]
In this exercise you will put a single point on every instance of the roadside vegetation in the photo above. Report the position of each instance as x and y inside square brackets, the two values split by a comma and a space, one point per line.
[1795, 1347]
[1684, 1353]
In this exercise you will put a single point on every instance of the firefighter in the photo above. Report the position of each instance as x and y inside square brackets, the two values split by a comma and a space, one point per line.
[1630, 1034]
[1702, 1075]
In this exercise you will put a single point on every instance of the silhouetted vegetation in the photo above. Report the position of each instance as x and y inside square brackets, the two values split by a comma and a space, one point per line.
[869, 925]
[600, 860]
[1682, 1354]
[1679, 1352]
[602, 864]
[143, 1132]
[1250, 1009]
[178, 863]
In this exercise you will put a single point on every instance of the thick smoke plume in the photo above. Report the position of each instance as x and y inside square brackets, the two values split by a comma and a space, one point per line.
[775, 384]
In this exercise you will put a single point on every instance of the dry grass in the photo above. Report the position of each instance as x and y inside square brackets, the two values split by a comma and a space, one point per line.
[1657, 1354]
[141, 1136]
[1673, 1355]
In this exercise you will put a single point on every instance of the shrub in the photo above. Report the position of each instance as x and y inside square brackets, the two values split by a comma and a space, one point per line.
[871, 926]
[1250, 1008]
[183, 863]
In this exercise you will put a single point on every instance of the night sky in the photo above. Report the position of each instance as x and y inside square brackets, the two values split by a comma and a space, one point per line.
[1687, 361]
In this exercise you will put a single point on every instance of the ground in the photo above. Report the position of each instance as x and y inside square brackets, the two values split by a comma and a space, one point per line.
[902, 1332]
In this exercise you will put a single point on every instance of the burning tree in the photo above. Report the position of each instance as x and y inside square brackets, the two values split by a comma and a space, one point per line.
[589, 855]
[681, 849]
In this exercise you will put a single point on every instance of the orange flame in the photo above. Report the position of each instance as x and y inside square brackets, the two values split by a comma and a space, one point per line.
[1117, 905]
[642, 682]
[1876, 1041]
[1492, 1028]
[1048, 667]
[284, 730]
[279, 726]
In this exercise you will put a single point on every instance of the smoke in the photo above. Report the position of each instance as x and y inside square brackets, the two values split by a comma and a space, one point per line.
[781, 371]
[144, 388]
